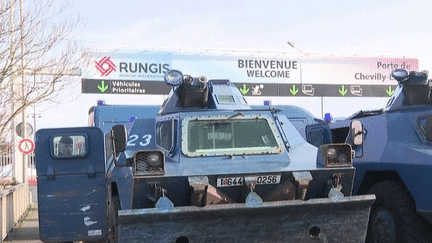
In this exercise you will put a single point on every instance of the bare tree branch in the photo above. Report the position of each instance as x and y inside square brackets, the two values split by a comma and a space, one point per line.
[41, 47]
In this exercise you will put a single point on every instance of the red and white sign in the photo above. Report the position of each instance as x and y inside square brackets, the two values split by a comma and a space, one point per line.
[26, 146]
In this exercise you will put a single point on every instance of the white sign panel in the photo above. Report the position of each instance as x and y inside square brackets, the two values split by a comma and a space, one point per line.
[128, 67]
[354, 70]
[151, 66]
[247, 70]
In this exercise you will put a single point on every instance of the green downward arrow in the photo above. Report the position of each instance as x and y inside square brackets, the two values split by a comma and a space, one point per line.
[102, 88]
[244, 90]
[389, 91]
[343, 91]
[293, 90]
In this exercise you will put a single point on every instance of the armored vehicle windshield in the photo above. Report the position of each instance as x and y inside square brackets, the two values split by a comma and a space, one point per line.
[230, 135]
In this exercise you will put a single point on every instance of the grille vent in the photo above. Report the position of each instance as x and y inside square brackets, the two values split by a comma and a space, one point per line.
[143, 166]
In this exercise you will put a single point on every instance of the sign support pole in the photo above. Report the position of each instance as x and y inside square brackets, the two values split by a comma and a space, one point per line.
[322, 107]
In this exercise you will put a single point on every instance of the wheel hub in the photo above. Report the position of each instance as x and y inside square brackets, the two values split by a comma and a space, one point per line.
[383, 226]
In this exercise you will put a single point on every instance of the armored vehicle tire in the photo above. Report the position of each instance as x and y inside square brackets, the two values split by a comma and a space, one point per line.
[393, 217]
[113, 235]
[113, 222]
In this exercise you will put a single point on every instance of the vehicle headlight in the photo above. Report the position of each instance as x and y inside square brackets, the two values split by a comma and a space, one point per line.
[154, 159]
[332, 153]
[335, 155]
[149, 162]
[343, 158]
[174, 78]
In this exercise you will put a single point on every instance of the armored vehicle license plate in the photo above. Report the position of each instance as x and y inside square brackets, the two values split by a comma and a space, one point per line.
[267, 179]
[239, 181]
[230, 181]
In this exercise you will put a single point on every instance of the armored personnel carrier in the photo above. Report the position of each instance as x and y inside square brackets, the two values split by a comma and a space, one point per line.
[206, 168]
[393, 159]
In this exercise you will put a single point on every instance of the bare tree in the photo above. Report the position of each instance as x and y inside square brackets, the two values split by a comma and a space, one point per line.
[37, 55]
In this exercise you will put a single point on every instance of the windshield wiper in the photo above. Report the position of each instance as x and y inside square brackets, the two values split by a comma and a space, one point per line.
[235, 115]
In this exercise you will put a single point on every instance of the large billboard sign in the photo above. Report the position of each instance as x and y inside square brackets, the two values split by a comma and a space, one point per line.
[143, 72]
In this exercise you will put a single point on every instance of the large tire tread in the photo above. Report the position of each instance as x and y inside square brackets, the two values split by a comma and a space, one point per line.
[399, 202]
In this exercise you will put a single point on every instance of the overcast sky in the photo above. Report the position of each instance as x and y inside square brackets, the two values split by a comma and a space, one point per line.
[365, 28]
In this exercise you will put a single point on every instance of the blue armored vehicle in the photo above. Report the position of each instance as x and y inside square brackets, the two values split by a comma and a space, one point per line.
[393, 159]
[206, 168]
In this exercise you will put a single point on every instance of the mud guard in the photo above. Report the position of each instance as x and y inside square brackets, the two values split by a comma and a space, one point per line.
[315, 220]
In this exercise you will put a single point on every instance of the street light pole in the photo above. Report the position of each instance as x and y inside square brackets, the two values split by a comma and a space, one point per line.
[305, 54]
[292, 45]
[32, 157]
[24, 156]
[34, 115]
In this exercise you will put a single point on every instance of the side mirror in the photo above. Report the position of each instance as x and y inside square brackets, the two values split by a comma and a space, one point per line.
[356, 128]
[119, 136]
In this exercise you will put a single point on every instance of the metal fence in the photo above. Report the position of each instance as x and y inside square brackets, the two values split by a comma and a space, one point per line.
[31, 174]
[14, 202]
[14, 198]
[7, 161]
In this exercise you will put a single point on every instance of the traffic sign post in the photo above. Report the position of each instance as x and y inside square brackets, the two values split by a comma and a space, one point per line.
[26, 146]
[20, 129]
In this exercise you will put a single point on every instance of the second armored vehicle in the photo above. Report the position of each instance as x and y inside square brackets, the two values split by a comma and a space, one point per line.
[393, 159]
